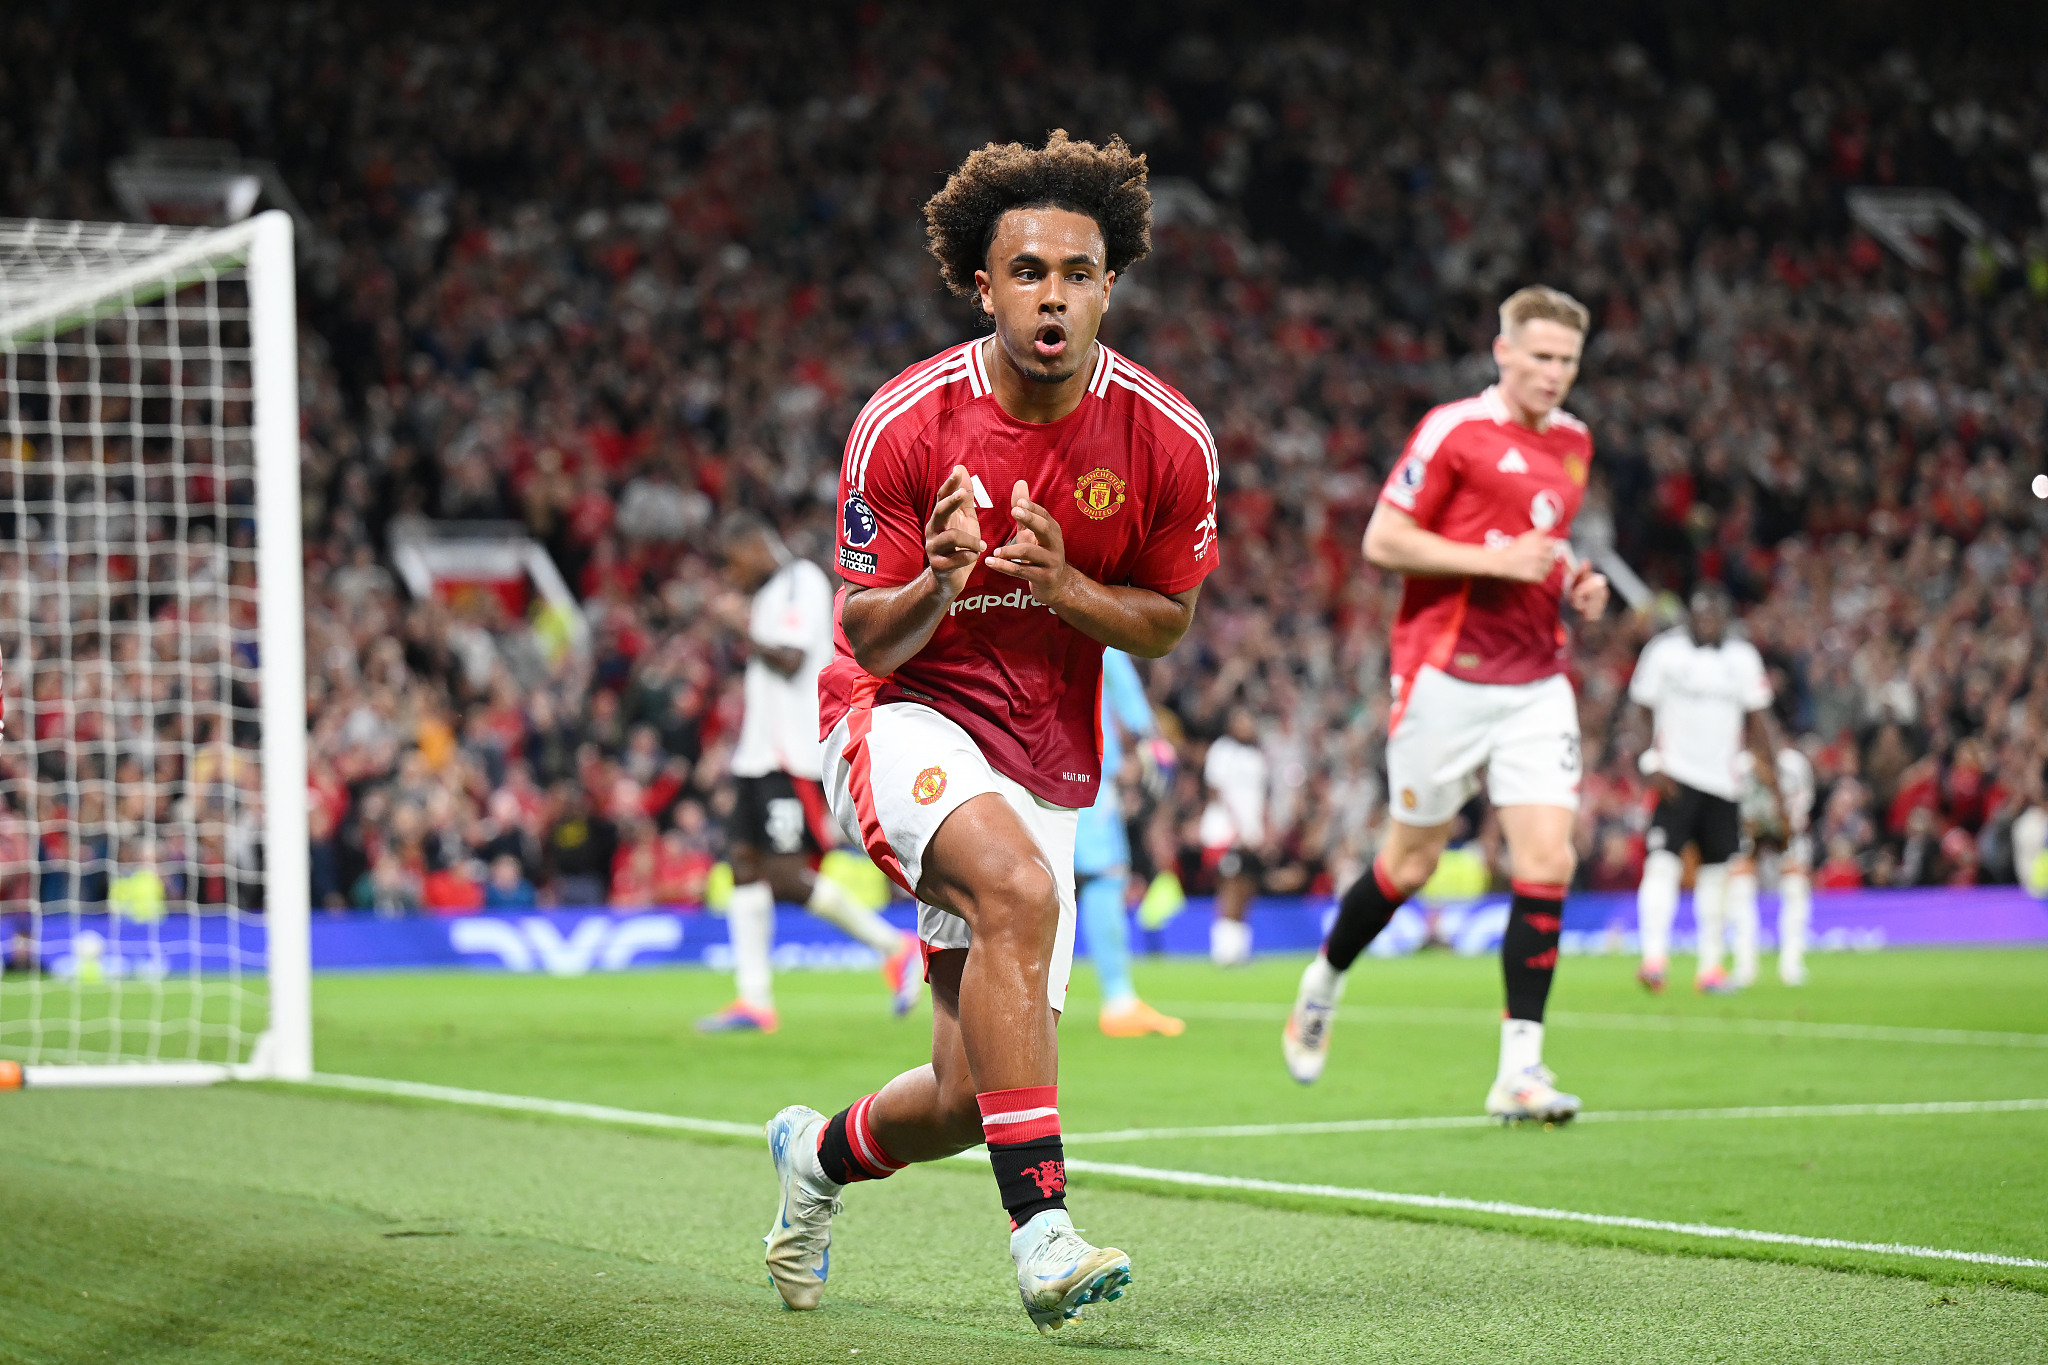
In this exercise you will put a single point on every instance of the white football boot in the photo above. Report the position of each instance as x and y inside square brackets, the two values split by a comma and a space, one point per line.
[1305, 1041]
[1059, 1274]
[1530, 1096]
[800, 1240]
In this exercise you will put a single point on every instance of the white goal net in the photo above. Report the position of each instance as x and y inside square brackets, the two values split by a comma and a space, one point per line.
[153, 885]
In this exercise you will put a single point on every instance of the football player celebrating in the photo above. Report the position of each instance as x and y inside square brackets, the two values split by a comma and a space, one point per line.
[1475, 517]
[1008, 508]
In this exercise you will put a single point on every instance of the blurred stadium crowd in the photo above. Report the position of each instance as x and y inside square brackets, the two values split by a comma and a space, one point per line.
[614, 279]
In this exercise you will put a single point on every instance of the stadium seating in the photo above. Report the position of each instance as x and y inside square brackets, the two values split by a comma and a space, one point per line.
[610, 281]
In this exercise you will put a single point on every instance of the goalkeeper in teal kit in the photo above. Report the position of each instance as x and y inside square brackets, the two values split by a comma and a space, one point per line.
[1102, 859]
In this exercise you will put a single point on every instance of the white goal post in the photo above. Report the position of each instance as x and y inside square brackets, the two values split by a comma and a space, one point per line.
[154, 901]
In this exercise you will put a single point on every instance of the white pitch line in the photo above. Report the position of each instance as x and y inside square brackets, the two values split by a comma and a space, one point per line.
[1768, 1111]
[604, 1113]
[1199, 1180]
[1249, 1130]
[485, 1099]
[1645, 1023]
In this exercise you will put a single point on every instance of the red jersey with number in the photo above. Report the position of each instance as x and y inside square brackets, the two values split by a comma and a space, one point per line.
[1129, 475]
[1472, 473]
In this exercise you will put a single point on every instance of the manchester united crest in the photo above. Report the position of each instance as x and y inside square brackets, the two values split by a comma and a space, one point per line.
[929, 787]
[1575, 469]
[1099, 494]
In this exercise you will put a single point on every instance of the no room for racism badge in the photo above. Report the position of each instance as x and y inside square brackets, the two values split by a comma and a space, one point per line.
[859, 523]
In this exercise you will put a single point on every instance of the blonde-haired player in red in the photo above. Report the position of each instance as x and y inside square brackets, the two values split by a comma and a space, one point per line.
[1475, 518]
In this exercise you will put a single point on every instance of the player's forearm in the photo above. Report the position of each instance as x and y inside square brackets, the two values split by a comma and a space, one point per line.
[888, 626]
[784, 659]
[1400, 546]
[1761, 752]
[1137, 621]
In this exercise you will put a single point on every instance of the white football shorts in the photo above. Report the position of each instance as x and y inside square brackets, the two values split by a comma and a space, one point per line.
[894, 772]
[1525, 735]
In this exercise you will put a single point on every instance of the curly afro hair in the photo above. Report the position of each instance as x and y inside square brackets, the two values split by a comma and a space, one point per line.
[1106, 183]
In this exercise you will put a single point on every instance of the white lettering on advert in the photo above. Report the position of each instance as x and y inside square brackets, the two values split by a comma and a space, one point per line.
[988, 601]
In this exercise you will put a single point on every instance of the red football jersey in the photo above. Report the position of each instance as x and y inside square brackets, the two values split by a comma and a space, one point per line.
[1130, 476]
[1472, 473]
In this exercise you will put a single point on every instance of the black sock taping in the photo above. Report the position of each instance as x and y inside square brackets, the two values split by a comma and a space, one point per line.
[1361, 915]
[835, 1152]
[1528, 954]
[1031, 1175]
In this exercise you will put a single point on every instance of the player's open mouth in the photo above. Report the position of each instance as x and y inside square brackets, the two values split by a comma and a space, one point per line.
[1051, 342]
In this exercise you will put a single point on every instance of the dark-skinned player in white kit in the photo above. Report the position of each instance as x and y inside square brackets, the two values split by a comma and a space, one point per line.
[1475, 518]
[1008, 508]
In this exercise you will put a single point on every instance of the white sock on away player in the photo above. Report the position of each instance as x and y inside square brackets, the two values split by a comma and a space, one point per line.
[1742, 927]
[1795, 912]
[1657, 906]
[1710, 914]
[1230, 942]
[750, 924]
[834, 904]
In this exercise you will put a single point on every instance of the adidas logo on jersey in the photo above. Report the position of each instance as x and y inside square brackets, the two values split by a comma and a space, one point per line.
[1513, 463]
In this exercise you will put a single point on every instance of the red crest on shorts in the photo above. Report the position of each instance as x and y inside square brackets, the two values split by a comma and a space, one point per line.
[929, 787]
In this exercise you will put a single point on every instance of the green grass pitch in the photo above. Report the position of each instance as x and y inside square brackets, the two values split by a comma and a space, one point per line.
[286, 1224]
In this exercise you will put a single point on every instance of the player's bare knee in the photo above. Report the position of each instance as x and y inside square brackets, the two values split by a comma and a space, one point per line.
[788, 875]
[746, 866]
[1411, 868]
[1552, 867]
[1024, 899]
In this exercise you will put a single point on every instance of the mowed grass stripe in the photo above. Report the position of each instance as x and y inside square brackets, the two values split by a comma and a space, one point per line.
[274, 1203]
[1251, 1011]
[1203, 1180]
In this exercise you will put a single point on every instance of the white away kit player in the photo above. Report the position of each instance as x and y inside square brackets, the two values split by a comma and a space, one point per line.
[779, 820]
[1232, 831]
[1775, 829]
[1705, 690]
[1475, 519]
